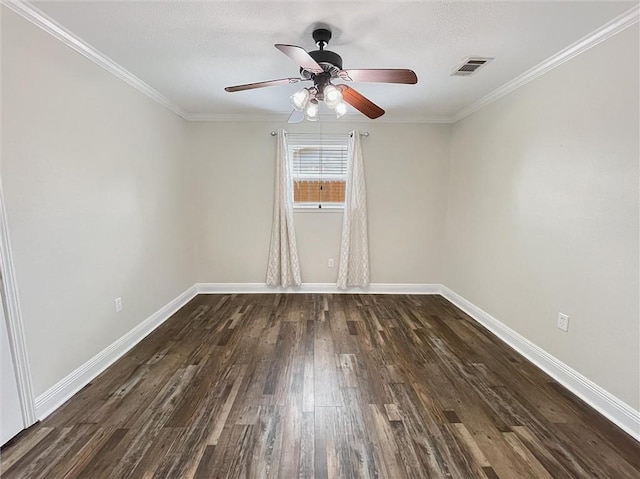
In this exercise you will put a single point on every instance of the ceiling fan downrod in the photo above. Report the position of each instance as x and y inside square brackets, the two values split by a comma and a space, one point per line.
[329, 61]
[321, 36]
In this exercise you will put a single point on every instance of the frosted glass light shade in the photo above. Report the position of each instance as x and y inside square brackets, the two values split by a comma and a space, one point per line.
[311, 111]
[332, 96]
[340, 109]
[299, 99]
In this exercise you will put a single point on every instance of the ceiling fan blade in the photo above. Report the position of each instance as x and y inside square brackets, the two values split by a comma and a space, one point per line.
[360, 102]
[262, 84]
[296, 116]
[300, 56]
[380, 75]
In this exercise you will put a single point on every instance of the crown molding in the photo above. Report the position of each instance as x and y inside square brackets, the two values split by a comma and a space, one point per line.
[37, 17]
[599, 35]
[283, 117]
[231, 117]
[409, 119]
[40, 19]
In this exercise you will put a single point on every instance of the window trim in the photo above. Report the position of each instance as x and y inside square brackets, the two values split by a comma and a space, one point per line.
[317, 207]
[324, 209]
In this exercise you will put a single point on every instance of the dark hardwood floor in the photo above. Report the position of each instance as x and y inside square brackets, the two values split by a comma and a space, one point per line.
[350, 386]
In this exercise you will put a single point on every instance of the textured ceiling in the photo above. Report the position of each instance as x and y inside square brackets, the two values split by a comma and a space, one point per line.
[189, 51]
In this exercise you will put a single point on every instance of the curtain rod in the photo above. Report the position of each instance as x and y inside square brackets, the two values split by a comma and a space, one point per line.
[275, 133]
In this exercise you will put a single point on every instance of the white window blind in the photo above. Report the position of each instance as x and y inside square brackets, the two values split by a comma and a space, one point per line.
[319, 170]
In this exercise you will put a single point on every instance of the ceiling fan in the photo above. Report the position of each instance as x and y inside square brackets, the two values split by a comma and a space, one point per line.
[322, 66]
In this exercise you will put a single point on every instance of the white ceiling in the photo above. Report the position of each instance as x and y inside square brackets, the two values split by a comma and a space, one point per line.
[189, 51]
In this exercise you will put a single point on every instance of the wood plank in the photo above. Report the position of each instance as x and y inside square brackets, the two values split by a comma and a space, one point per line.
[325, 377]
[517, 445]
[384, 442]
[306, 464]
[13, 451]
[322, 386]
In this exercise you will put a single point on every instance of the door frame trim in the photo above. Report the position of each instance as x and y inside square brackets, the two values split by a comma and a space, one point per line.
[14, 321]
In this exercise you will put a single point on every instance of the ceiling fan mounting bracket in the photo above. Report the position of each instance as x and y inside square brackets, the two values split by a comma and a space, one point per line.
[321, 36]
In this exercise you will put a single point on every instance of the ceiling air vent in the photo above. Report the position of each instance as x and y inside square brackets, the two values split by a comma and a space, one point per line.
[470, 66]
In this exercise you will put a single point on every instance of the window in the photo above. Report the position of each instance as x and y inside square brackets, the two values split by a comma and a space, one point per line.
[319, 170]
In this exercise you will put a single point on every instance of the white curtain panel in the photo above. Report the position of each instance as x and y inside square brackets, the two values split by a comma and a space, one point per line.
[354, 249]
[283, 268]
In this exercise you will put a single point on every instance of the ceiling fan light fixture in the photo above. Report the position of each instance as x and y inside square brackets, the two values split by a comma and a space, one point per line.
[311, 110]
[300, 99]
[322, 66]
[340, 109]
[332, 96]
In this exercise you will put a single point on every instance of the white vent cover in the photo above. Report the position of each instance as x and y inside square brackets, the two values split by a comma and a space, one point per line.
[470, 66]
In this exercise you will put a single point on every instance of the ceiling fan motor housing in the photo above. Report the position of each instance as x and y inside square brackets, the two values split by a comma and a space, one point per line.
[328, 57]
[330, 61]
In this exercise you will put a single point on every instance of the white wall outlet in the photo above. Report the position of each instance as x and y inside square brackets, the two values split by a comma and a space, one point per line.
[563, 322]
[330, 264]
[118, 304]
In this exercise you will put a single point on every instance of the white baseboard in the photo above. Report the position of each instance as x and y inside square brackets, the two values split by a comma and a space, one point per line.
[617, 411]
[325, 288]
[60, 392]
[601, 400]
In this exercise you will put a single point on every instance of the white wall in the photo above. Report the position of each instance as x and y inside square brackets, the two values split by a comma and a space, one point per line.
[92, 172]
[543, 213]
[406, 167]
[109, 194]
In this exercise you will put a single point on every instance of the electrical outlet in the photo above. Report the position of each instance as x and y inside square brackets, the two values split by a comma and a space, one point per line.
[563, 322]
[118, 304]
[330, 264]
